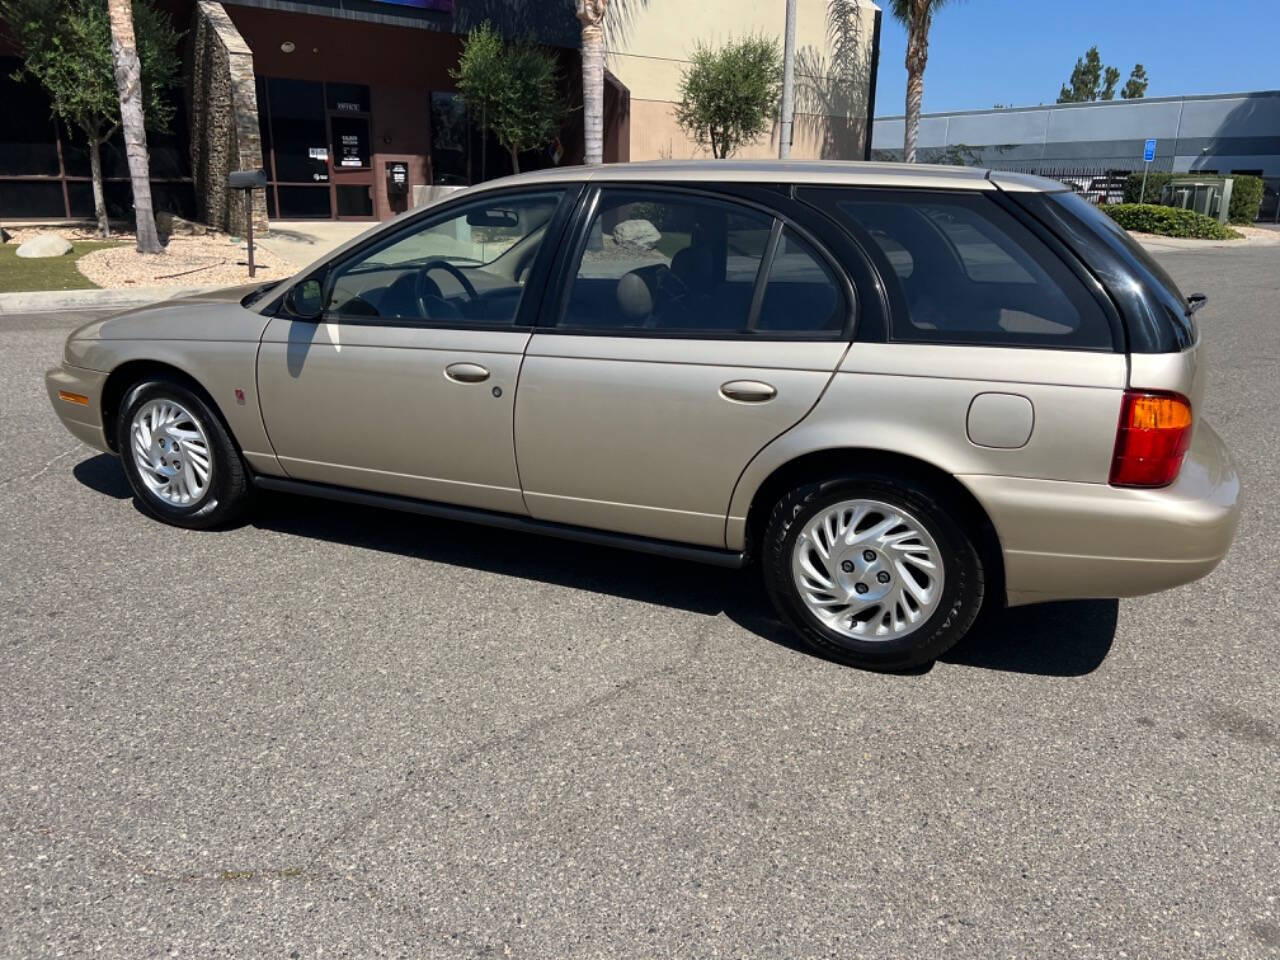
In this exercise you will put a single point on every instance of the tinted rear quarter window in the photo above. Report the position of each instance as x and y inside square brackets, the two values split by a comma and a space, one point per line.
[961, 270]
[1155, 307]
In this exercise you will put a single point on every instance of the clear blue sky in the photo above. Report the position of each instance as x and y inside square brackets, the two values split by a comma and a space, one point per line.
[1019, 52]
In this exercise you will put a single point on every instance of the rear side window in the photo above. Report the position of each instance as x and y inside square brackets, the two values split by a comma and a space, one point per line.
[802, 294]
[961, 270]
[655, 263]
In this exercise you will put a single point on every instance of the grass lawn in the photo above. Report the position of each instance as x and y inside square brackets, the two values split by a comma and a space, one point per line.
[47, 273]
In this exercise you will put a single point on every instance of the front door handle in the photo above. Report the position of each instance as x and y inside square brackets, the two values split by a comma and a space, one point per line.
[748, 391]
[466, 372]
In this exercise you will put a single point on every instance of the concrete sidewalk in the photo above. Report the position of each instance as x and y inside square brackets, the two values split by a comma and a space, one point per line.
[70, 301]
[302, 242]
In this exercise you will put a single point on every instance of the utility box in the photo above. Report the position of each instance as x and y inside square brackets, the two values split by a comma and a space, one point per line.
[1208, 195]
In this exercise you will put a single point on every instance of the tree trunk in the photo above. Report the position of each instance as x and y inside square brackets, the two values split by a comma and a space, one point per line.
[124, 51]
[515, 159]
[915, 93]
[95, 171]
[591, 14]
[917, 57]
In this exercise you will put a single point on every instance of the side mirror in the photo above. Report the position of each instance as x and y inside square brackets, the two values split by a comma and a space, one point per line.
[305, 301]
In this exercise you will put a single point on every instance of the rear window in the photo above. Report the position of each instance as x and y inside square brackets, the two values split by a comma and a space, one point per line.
[961, 270]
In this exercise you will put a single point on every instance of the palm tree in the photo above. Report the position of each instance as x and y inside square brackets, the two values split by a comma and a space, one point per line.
[917, 17]
[591, 14]
[128, 69]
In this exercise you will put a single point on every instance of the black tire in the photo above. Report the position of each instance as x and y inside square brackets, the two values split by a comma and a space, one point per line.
[963, 583]
[228, 492]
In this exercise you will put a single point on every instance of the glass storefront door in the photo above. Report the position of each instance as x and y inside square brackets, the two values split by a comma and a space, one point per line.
[317, 149]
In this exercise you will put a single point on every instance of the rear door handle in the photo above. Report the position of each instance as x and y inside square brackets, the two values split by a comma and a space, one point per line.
[466, 372]
[748, 391]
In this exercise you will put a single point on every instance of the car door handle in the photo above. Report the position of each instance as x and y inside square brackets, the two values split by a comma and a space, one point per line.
[748, 391]
[466, 372]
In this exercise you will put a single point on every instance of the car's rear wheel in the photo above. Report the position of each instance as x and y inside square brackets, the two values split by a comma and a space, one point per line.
[871, 571]
[178, 457]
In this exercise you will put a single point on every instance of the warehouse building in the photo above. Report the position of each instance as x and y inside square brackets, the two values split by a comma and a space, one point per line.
[1213, 134]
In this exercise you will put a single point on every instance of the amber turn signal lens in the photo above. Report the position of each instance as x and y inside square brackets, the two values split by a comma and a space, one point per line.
[79, 399]
[1152, 439]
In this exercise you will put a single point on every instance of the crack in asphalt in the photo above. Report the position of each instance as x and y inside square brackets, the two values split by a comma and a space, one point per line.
[322, 871]
[30, 478]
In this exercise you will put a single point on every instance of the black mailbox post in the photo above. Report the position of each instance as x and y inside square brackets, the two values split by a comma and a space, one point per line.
[248, 181]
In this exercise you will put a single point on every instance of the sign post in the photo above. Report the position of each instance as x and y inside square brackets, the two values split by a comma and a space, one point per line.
[1148, 154]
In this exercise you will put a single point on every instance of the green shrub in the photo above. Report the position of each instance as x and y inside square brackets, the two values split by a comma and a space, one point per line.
[1168, 221]
[1133, 186]
[1246, 199]
[1246, 192]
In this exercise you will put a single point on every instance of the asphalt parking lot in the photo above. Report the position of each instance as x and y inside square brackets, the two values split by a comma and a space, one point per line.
[341, 732]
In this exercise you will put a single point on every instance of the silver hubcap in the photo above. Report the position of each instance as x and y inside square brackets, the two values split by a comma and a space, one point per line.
[867, 570]
[171, 451]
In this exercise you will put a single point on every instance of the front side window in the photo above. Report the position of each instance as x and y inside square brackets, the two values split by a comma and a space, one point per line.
[689, 265]
[468, 266]
[961, 270]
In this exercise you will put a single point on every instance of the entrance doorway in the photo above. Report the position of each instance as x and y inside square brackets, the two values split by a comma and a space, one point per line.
[317, 149]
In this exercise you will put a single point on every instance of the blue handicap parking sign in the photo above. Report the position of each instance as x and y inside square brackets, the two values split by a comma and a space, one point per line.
[1149, 152]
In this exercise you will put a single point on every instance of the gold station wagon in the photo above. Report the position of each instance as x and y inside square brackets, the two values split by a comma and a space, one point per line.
[902, 390]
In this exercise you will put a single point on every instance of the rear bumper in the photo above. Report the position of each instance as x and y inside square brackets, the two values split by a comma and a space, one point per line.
[84, 420]
[1079, 540]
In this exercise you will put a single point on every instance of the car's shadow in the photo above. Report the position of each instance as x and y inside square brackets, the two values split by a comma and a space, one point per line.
[1056, 639]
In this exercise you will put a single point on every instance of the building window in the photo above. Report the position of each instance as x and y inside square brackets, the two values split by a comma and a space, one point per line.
[44, 166]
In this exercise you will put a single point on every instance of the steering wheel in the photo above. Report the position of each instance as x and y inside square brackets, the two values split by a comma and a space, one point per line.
[427, 289]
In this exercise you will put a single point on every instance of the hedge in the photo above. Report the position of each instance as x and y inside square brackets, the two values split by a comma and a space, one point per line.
[1246, 199]
[1168, 221]
[1246, 192]
[1133, 187]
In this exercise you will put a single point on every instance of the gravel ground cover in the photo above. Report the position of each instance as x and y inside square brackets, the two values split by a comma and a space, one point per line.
[210, 258]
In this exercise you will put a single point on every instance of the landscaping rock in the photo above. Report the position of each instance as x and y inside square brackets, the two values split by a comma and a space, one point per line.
[45, 245]
[170, 224]
[636, 233]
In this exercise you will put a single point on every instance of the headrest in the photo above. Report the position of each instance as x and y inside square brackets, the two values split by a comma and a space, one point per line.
[634, 299]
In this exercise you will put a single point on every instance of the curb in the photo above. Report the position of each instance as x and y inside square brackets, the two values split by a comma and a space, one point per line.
[55, 301]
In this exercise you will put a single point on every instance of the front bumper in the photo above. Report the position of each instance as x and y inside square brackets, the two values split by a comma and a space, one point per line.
[1083, 540]
[84, 420]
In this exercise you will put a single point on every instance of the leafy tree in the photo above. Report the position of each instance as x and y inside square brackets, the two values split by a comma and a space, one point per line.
[66, 47]
[1085, 79]
[1112, 77]
[729, 96]
[917, 17]
[1136, 87]
[531, 111]
[1091, 81]
[514, 88]
[480, 75]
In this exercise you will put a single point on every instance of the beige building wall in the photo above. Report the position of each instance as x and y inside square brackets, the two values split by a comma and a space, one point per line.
[648, 44]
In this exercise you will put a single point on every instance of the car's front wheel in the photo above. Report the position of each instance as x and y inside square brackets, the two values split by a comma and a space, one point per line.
[178, 457]
[872, 572]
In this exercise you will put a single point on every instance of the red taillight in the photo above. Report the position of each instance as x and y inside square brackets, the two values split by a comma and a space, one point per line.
[1154, 433]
